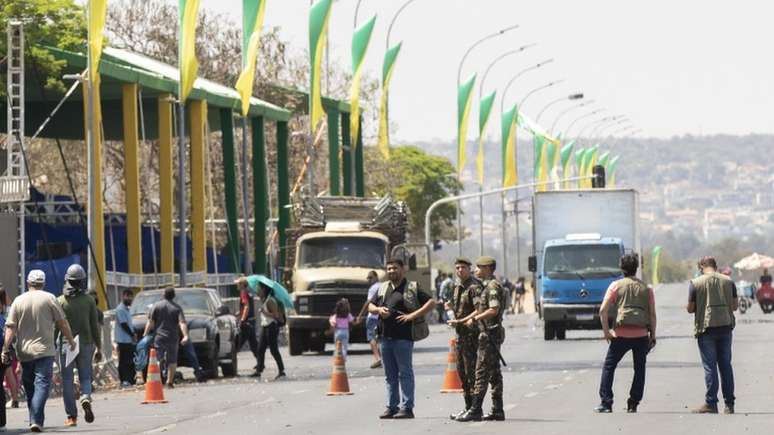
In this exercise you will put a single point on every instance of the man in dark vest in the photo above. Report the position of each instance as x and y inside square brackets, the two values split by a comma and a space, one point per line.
[712, 301]
[467, 289]
[635, 330]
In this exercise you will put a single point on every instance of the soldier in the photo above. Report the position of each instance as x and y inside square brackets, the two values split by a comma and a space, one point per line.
[489, 317]
[467, 290]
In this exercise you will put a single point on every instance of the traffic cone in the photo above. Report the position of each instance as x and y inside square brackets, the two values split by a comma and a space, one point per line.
[339, 381]
[451, 378]
[154, 392]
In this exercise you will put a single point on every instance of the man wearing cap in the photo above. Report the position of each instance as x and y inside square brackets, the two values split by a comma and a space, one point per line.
[488, 317]
[467, 290]
[401, 306]
[32, 320]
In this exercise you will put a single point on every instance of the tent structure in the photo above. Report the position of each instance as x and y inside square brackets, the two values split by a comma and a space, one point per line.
[754, 262]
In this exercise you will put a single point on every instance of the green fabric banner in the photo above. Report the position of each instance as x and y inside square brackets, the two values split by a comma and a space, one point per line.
[318, 31]
[484, 110]
[464, 103]
[360, 41]
[384, 128]
[566, 153]
[508, 137]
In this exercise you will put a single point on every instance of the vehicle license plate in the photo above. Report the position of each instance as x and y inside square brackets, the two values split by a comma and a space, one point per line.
[584, 317]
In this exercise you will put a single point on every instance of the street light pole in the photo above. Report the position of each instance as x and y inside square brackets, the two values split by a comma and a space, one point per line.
[480, 97]
[566, 111]
[459, 172]
[521, 108]
[584, 116]
[572, 97]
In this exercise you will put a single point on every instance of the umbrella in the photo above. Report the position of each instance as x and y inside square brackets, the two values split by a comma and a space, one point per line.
[754, 262]
[280, 292]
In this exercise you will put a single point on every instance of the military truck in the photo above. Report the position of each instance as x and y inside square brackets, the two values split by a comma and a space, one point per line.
[335, 243]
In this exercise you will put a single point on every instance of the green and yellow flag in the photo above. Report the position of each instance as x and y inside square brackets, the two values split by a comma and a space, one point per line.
[253, 12]
[508, 129]
[537, 144]
[604, 159]
[484, 110]
[318, 35]
[611, 170]
[464, 102]
[590, 162]
[655, 259]
[566, 154]
[97, 13]
[189, 66]
[360, 41]
[384, 124]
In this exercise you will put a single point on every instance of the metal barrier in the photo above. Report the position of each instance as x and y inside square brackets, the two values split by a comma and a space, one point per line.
[160, 280]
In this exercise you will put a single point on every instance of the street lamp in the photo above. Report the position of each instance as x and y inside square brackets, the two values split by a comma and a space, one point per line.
[459, 80]
[566, 111]
[600, 128]
[572, 97]
[584, 116]
[536, 90]
[519, 74]
[596, 123]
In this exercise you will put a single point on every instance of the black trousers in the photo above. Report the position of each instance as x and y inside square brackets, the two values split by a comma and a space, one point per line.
[618, 348]
[3, 367]
[269, 336]
[247, 334]
[126, 372]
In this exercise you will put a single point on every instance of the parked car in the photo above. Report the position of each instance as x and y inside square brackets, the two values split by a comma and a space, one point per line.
[211, 327]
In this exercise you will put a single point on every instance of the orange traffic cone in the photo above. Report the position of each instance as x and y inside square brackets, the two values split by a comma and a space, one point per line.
[339, 381]
[451, 378]
[154, 392]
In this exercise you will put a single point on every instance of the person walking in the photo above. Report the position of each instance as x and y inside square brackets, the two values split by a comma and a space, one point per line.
[463, 302]
[270, 327]
[247, 325]
[10, 372]
[167, 320]
[519, 290]
[401, 306]
[372, 320]
[126, 340]
[635, 330]
[712, 300]
[33, 317]
[489, 318]
[340, 322]
[81, 313]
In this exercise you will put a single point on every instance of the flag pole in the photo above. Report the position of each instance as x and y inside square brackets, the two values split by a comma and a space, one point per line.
[90, 143]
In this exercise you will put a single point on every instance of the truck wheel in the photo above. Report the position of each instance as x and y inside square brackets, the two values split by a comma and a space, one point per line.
[561, 332]
[318, 345]
[549, 331]
[297, 343]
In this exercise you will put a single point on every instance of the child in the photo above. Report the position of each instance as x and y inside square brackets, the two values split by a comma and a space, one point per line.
[340, 321]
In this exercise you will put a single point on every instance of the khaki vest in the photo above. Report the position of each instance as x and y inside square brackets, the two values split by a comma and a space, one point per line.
[714, 302]
[419, 328]
[633, 303]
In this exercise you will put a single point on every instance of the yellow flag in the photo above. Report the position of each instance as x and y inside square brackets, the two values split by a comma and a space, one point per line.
[253, 12]
[189, 66]
[97, 13]
[319, 16]
[384, 124]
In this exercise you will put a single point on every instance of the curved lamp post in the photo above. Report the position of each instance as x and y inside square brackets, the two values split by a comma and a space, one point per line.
[571, 97]
[584, 116]
[566, 111]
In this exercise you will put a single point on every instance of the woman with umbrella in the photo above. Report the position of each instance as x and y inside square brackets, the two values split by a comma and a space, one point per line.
[275, 298]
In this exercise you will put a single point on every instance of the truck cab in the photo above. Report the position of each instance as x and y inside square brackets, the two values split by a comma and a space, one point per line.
[330, 265]
[573, 276]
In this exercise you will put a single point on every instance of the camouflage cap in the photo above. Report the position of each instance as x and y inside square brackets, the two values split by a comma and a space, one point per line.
[462, 260]
[486, 261]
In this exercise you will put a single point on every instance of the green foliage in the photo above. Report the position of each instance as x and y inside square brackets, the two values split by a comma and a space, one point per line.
[670, 270]
[419, 179]
[57, 23]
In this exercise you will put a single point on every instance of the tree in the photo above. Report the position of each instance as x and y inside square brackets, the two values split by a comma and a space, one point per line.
[419, 179]
[55, 23]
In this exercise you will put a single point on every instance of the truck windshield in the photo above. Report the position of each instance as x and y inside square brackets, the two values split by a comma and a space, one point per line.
[582, 261]
[342, 252]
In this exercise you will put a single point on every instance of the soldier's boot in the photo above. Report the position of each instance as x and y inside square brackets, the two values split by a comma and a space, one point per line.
[468, 401]
[497, 413]
[474, 413]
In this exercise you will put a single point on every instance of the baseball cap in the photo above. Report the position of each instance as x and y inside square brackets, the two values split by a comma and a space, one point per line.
[36, 276]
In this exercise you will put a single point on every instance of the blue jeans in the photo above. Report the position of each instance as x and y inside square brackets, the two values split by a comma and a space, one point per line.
[618, 348]
[715, 352]
[398, 370]
[83, 362]
[36, 377]
[342, 335]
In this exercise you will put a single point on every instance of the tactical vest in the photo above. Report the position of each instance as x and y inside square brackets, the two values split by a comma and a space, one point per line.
[463, 302]
[633, 303]
[490, 286]
[419, 328]
[714, 297]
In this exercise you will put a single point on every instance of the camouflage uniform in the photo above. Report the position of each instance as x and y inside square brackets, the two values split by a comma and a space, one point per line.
[464, 301]
[488, 363]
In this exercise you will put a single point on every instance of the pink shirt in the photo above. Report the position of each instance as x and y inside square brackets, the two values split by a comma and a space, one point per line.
[628, 331]
[341, 322]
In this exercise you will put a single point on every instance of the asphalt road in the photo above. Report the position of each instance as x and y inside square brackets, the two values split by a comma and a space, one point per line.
[550, 388]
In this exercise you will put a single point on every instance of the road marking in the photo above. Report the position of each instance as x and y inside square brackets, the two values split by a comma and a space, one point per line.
[553, 386]
[530, 394]
[568, 378]
[161, 429]
[510, 406]
[300, 392]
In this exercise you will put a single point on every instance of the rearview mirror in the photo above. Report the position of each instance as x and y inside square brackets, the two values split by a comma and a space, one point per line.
[222, 310]
[532, 263]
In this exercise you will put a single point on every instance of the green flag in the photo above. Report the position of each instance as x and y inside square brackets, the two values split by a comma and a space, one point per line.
[508, 130]
[566, 154]
[384, 128]
[537, 143]
[611, 170]
[319, 16]
[655, 259]
[604, 159]
[464, 102]
[484, 110]
[360, 41]
[253, 12]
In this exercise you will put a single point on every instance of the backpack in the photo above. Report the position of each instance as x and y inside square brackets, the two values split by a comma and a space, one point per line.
[283, 320]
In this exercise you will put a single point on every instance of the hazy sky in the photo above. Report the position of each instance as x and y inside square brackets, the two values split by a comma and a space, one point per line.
[673, 67]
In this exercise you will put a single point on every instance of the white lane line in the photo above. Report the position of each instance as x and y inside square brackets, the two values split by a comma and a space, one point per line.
[568, 378]
[553, 386]
[161, 429]
[510, 406]
[530, 394]
[300, 392]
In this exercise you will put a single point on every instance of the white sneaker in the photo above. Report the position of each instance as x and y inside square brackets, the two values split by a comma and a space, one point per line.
[35, 428]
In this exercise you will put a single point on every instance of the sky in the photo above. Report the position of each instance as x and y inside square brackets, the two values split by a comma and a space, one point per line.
[695, 67]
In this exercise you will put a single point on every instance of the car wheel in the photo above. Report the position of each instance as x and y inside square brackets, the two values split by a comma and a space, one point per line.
[318, 345]
[230, 369]
[297, 343]
[561, 333]
[211, 365]
[549, 331]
